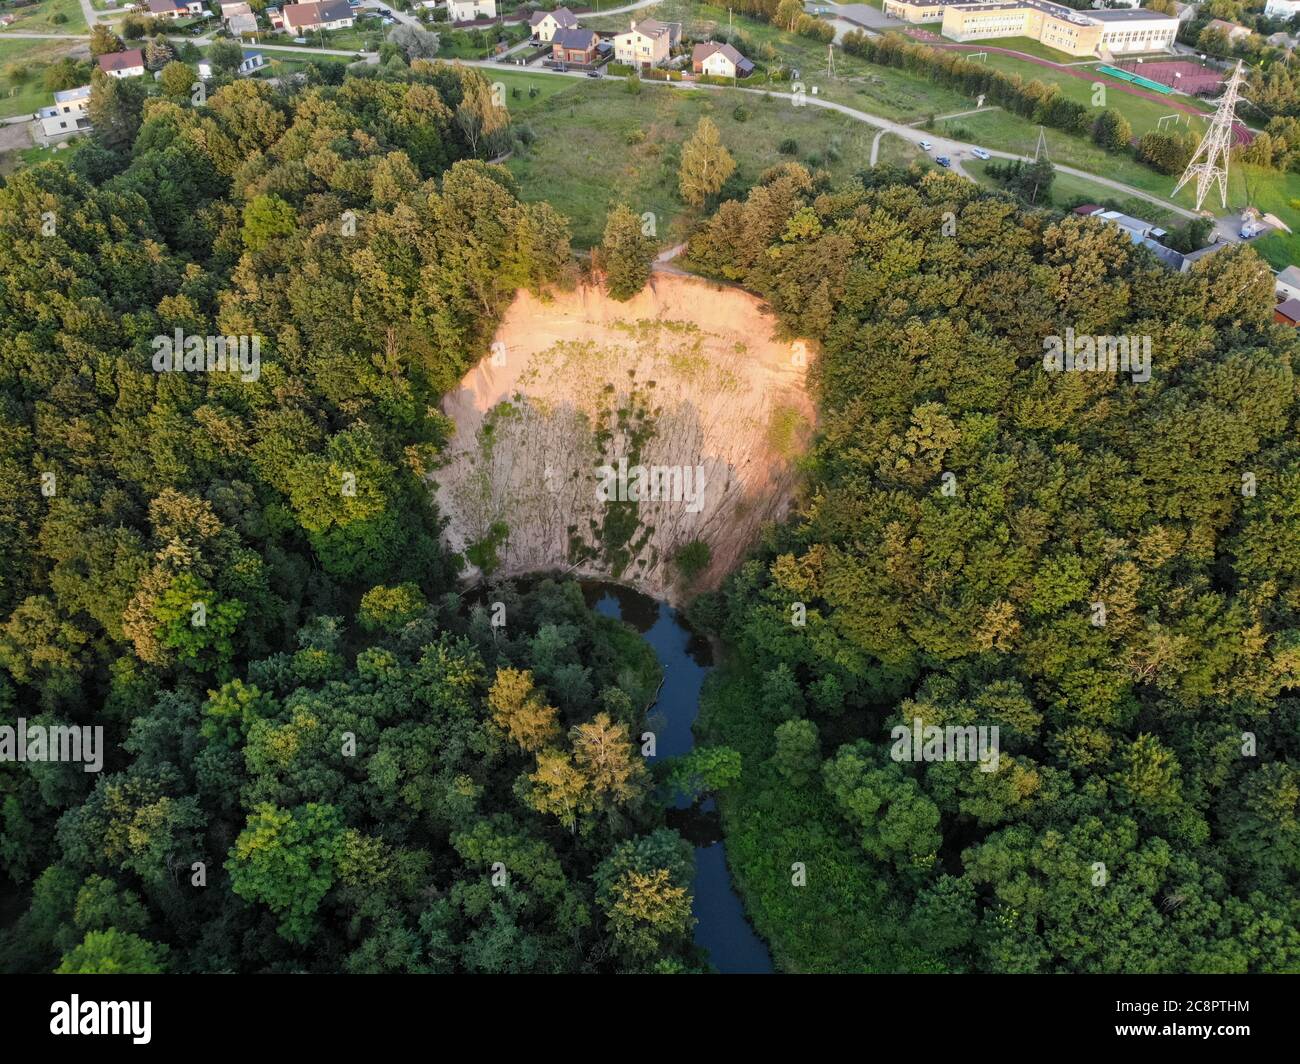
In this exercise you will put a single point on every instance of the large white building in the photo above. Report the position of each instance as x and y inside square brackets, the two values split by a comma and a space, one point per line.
[1282, 8]
[1114, 31]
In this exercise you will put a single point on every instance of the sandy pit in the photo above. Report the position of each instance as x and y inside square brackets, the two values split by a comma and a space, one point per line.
[686, 378]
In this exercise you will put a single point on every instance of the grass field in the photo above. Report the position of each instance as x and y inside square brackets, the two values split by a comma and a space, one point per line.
[1068, 191]
[524, 105]
[895, 151]
[42, 17]
[1142, 114]
[1008, 132]
[16, 160]
[27, 95]
[883, 91]
[1023, 44]
[598, 145]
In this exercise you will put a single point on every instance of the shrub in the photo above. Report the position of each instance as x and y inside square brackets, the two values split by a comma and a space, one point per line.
[693, 559]
[789, 146]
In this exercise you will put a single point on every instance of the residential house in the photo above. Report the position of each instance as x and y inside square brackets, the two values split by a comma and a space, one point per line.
[123, 64]
[1287, 313]
[1184, 12]
[1281, 40]
[574, 46]
[1231, 30]
[1136, 228]
[719, 61]
[1149, 236]
[1288, 283]
[64, 118]
[239, 18]
[251, 63]
[545, 23]
[325, 15]
[648, 43]
[175, 8]
[469, 10]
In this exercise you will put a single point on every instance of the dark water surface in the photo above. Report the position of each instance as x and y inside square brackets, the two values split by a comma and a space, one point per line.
[721, 926]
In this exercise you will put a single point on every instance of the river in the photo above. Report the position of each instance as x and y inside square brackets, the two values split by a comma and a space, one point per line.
[721, 925]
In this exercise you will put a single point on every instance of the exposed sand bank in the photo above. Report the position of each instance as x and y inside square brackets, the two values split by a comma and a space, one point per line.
[685, 376]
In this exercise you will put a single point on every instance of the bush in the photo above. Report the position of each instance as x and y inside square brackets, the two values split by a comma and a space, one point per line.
[789, 146]
[693, 559]
[741, 113]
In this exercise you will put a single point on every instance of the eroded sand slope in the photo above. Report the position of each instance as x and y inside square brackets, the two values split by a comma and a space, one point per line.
[685, 374]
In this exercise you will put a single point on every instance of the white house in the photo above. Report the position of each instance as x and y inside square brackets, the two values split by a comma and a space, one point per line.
[123, 64]
[545, 23]
[326, 15]
[1282, 8]
[719, 61]
[175, 8]
[647, 43]
[251, 63]
[469, 10]
[65, 117]
[1288, 283]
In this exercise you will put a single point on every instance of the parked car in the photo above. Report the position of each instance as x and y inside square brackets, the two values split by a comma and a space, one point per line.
[943, 160]
[979, 153]
[926, 145]
[593, 73]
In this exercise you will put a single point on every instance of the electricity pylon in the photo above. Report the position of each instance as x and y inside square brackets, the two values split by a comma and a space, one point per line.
[1210, 163]
[1040, 151]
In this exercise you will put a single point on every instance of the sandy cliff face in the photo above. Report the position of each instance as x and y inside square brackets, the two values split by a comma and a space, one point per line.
[685, 381]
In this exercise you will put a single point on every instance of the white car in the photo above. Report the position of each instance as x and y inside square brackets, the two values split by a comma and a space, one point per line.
[926, 145]
[979, 153]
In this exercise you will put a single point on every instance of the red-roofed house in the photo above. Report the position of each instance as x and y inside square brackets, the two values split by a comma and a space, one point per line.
[719, 61]
[326, 15]
[574, 46]
[1288, 312]
[123, 64]
[545, 23]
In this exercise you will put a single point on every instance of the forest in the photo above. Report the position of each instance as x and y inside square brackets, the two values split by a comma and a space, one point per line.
[1104, 570]
[351, 764]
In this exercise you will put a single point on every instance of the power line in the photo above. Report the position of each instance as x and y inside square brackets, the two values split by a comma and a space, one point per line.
[1210, 163]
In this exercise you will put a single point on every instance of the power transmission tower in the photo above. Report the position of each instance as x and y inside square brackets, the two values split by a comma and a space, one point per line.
[1210, 163]
[1040, 150]
[830, 60]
